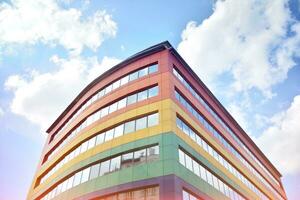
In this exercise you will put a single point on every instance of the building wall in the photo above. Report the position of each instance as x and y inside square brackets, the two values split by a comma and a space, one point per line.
[167, 173]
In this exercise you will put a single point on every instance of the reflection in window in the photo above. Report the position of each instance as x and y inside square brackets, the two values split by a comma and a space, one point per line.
[127, 160]
[131, 99]
[115, 164]
[153, 120]
[95, 171]
[140, 156]
[153, 153]
[153, 92]
[119, 130]
[143, 72]
[129, 127]
[153, 68]
[141, 123]
[104, 168]
[85, 175]
[133, 76]
[142, 95]
[77, 178]
[109, 135]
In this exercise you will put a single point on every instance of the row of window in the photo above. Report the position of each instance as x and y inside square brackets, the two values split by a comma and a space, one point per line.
[126, 101]
[122, 129]
[195, 136]
[188, 196]
[207, 176]
[116, 84]
[149, 193]
[220, 121]
[210, 128]
[105, 167]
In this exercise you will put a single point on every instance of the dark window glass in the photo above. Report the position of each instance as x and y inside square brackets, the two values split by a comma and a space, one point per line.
[140, 156]
[127, 160]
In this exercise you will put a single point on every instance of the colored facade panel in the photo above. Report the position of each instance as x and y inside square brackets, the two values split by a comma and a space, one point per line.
[150, 129]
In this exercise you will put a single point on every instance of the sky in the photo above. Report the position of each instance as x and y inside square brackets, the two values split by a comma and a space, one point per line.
[247, 52]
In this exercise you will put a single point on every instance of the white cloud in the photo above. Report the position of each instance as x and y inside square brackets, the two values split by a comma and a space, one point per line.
[280, 141]
[41, 97]
[1, 112]
[32, 21]
[247, 39]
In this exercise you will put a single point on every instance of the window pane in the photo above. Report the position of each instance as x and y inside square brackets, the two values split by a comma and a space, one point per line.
[209, 177]
[119, 130]
[203, 173]
[100, 94]
[129, 127]
[77, 178]
[113, 107]
[92, 142]
[181, 157]
[115, 164]
[140, 156]
[142, 95]
[153, 153]
[196, 168]
[108, 89]
[122, 103]
[84, 147]
[95, 171]
[116, 84]
[153, 120]
[215, 182]
[85, 175]
[109, 135]
[124, 80]
[127, 160]
[100, 138]
[189, 163]
[153, 92]
[153, 68]
[104, 111]
[143, 72]
[104, 168]
[141, 123]
[185, 195]
[133, 76]
[131, 99]
[70, 182]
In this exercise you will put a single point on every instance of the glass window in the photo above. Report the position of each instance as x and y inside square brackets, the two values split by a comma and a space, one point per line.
[108, 89]
[119, 130]
[221, 186]
[115, 164]
[141, 123]
[153, 153]
[100, 94]
[92, 142]
[122, 103]
[153, 68]
[109, 135]
[196, 168]
[185, 195]
[100, 138]
[131, 99]
[77, 178]
[116, 84]
[64, 186]
[153, 120]
[203, 173]
[181, 157]
[70, 182]
[95, 171]
[209, 177]
[85, 175]
[188, 162]
[186, 129]
[84, 147]
[133, 76]
[140, 156]
[215, 182]
[104, 111]
[143, 72]
[113, 107]
[104, 168]
[129, 127]
[127, 160]
[179, 123]
[142, 95]
[153, 92]
[124, 80]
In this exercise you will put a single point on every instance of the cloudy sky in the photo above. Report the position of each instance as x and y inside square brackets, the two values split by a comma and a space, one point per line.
[247, 52]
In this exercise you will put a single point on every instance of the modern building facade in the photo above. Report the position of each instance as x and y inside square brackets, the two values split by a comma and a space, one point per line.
[150, 129]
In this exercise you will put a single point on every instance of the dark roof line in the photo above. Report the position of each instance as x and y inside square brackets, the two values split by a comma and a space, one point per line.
[153, 49]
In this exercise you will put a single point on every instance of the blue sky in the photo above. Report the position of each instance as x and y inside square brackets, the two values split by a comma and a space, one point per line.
[246, 52]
